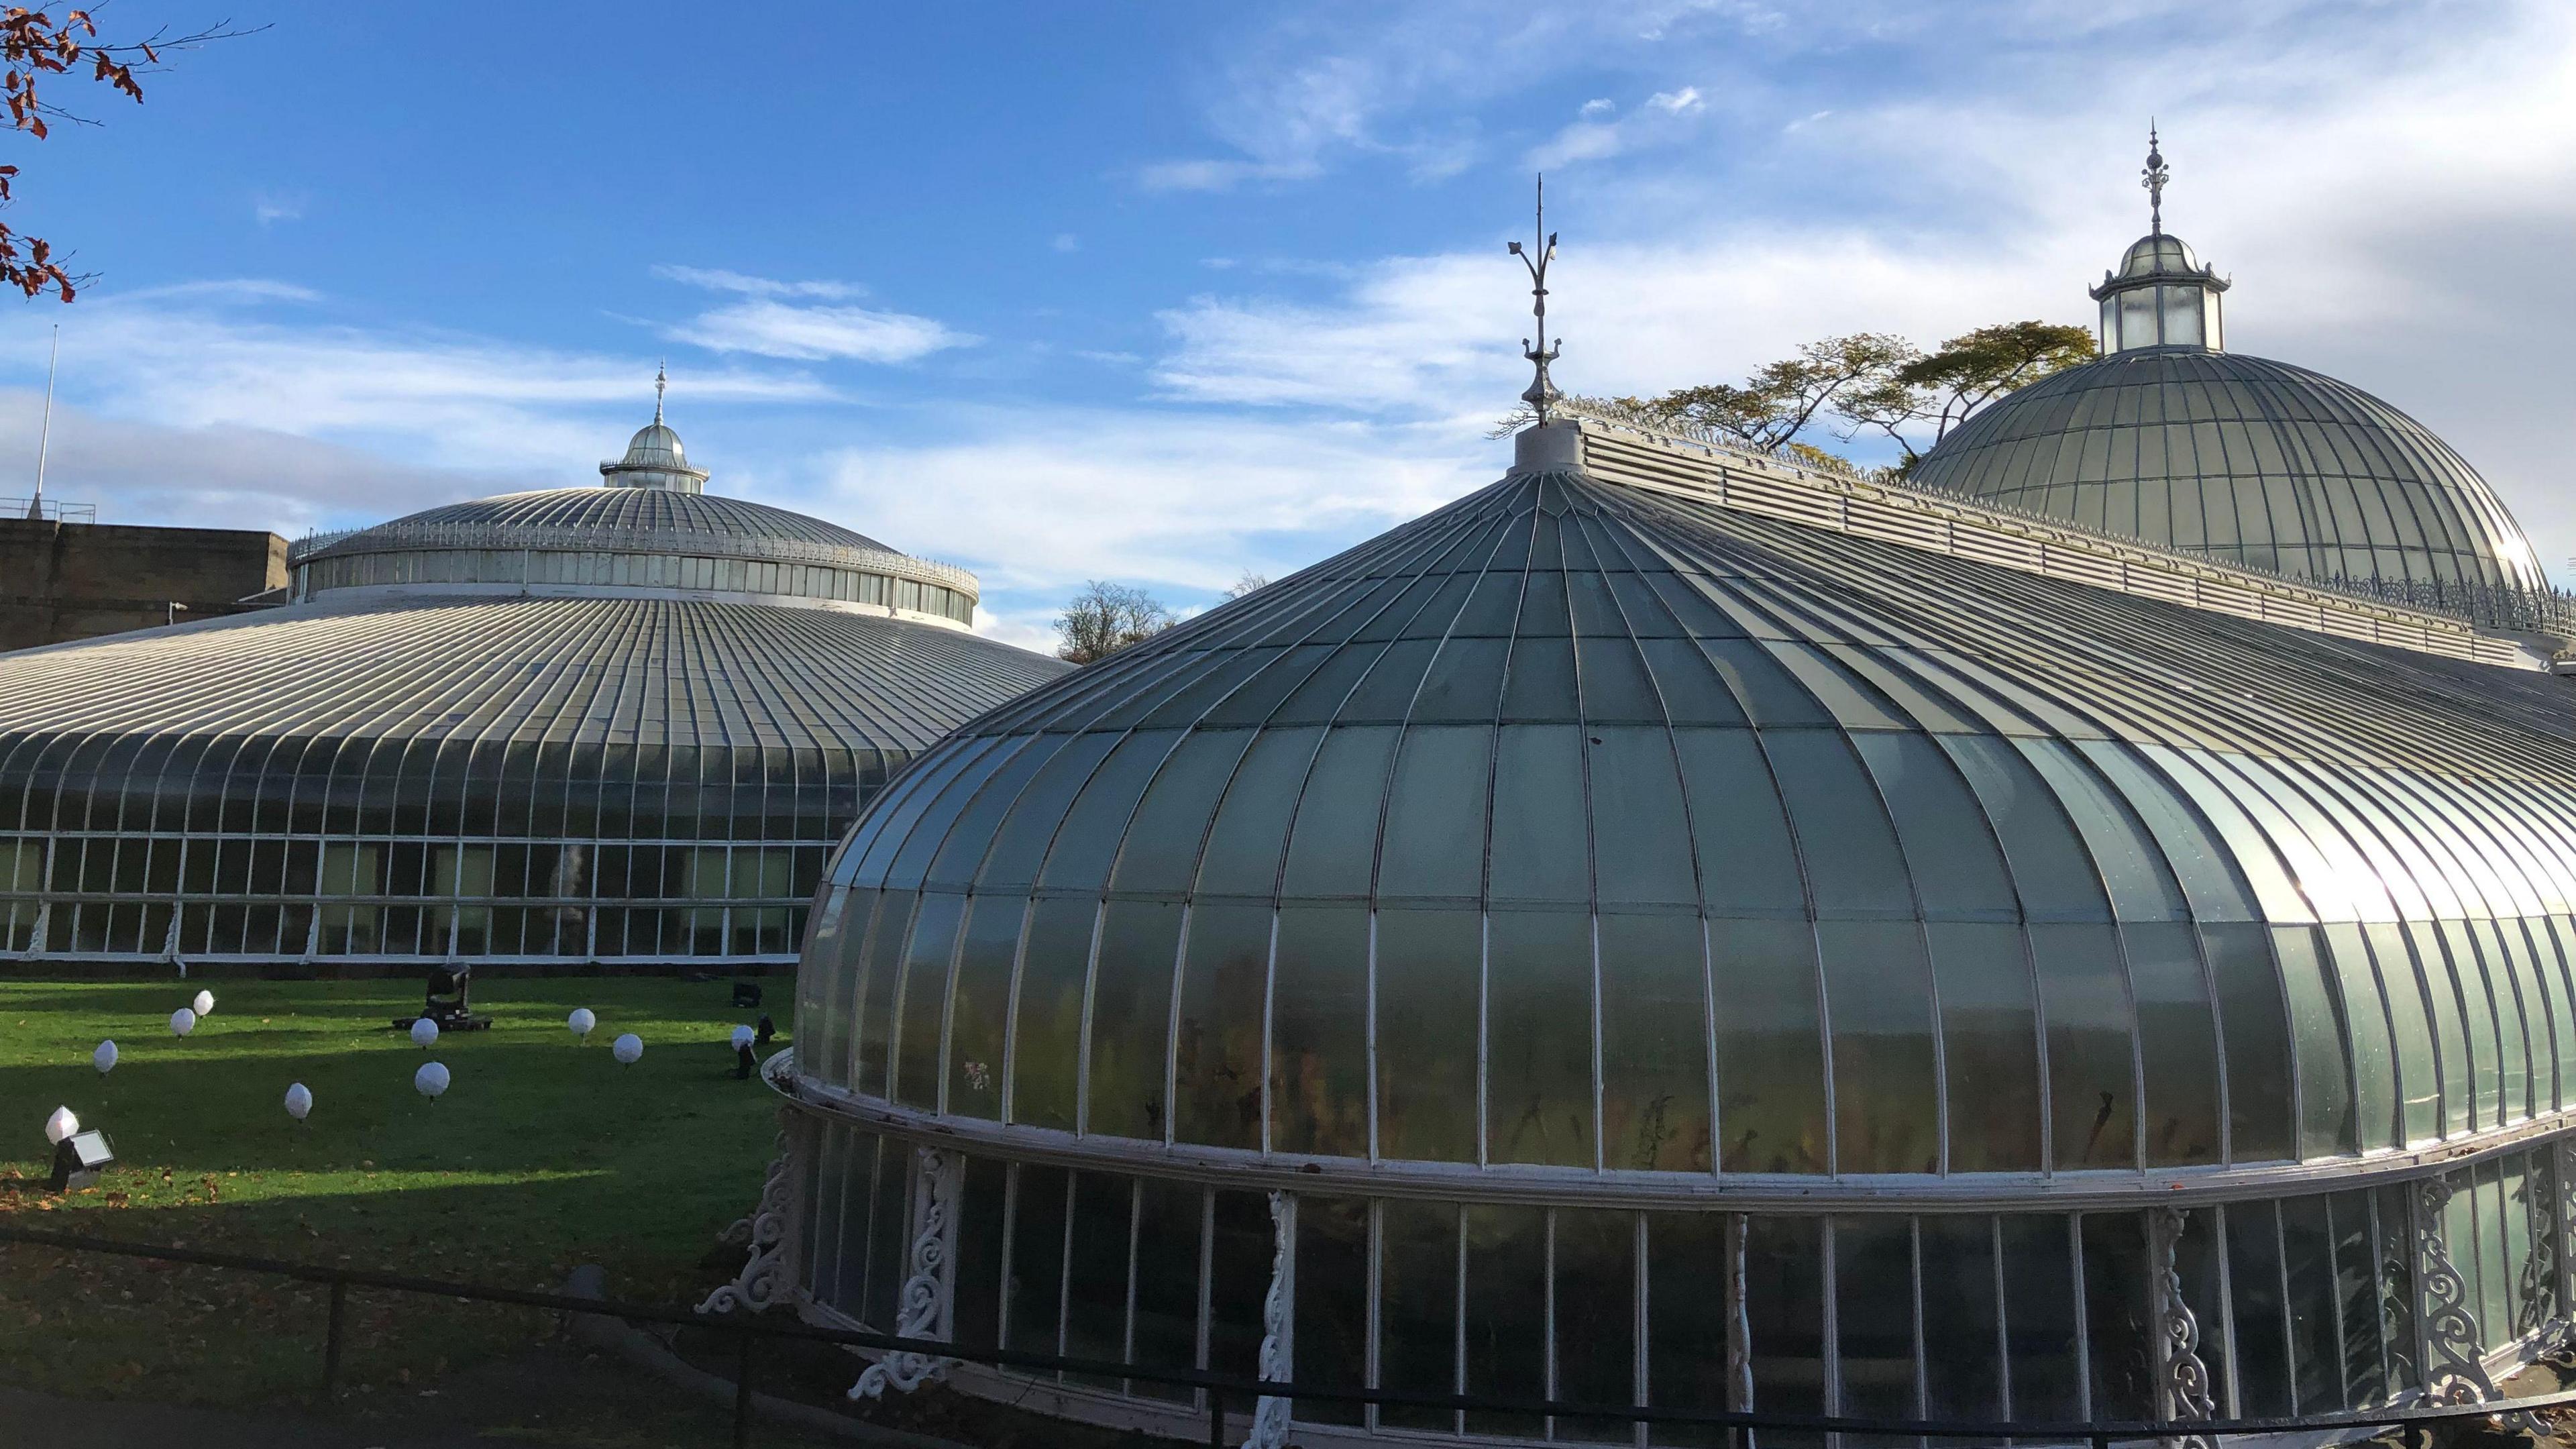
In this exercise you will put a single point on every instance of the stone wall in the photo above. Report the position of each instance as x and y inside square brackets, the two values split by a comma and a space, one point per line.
[62, 581]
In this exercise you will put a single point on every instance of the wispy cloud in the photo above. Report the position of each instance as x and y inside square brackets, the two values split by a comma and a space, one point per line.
[269, 208]
[1066, 241]
[772, 320]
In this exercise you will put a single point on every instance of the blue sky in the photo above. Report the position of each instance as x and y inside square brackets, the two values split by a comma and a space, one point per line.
[1167, 293]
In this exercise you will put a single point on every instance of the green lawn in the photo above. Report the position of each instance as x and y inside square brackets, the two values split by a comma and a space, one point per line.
[543, 1154]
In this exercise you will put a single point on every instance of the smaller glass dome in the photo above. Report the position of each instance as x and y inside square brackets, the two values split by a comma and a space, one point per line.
[2152, 255]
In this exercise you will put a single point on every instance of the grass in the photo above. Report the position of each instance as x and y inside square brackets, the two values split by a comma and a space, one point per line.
[543, 1154]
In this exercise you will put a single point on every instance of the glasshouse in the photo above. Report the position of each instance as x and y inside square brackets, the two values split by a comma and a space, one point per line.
[618, 723]
[1686, 928]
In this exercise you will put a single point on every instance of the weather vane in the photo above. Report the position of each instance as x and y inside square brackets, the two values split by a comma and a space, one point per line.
[2154, 179]
[1541, 391]
[661, 380]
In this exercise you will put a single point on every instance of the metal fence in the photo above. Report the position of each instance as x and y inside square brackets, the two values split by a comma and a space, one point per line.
[1233, 1391]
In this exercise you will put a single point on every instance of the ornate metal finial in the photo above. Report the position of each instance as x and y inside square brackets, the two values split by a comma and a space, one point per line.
[1541, 391]
[661, 380]
[2154, 178]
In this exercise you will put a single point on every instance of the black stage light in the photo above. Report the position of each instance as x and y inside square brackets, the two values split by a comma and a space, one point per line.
[746, 993]
[768, 1030]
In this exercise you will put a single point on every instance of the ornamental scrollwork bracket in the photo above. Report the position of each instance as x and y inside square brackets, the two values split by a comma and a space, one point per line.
[1278, 1325]
[2184, 1375]
[765, 1275]
[2454, 1372]
[2541, 1311]
[929, 1294]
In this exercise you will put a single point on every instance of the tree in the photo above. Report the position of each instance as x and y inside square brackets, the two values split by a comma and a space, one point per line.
[1105, 618]
[34, 45]
[1246, 584]
[1782, 399]
[1969, 371]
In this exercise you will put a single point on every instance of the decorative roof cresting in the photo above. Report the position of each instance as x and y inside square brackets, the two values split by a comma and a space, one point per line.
[1542, 393]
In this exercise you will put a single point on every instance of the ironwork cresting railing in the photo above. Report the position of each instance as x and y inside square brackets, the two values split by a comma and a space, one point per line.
[411, 537]
[1225, 1391]
[2542, 611]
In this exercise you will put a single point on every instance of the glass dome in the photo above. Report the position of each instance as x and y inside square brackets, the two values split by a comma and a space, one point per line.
[2252, 462]
[1718, 919]
[2159, 255]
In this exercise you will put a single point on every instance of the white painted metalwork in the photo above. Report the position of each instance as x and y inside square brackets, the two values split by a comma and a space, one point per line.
[768, 1276]
[2455, 1372]
[1278, 1326]
[930, 1293]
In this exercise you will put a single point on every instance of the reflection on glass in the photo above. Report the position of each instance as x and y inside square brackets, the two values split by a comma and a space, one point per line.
[983, 1206]
[1690, 1265]
[1331, 1329]
[1046, 1048]
[1096, 1270]
[1654, 1044]
[1875, 1306]
[2177, 1043]
[1887, 1092]
[1956, 868]
[1418, 1309]
[1540, 841]
[2122, 1345]
[2262, 1324]
[1319, 1031]
[1844, 839]
[1429, 965]
[1784, 1294]
[1435, 814]
[2356, 1291]
[1746, 862]
[1216, 1055]
[1963, 1341]
[925, 999]
[1770, 1052]
[1131, 1003]
[2039, 1317]
[2326, 1110]
[1538, 1086]
[1990, 1043]
[2255, 1030]
[1506, 1342]
[980, 1012]
[1596, 1318]
[2092, 1089]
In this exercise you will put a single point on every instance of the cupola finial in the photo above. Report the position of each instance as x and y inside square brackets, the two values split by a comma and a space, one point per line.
[661, 380]
[1541, 391]
[2154, 178]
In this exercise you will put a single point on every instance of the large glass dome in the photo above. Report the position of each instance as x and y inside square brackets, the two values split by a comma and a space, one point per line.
[619, 724]
[1828, 965]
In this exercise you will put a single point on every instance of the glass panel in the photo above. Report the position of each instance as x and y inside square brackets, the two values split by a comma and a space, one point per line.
[1435, 814]
[2316, 1339]
[1539, 1069]
[2365, 1369]
[2254, 1031]
[1770, 1051]
[1418, 1309]
[2121, 1343]
[1251, 826]
[2395, 1237]
[2420, 1060]
[1046, 1047]
[1654, 1044]
[925, 999]
[1033, 1311]
[1096, 1268]
[1319, 1047]
[2200, 861]
[980, 1012]
[1430, 965]
[1131, 1007]
[1161, 852]
[2142, 889]
[1333, 843]
[1167, 1282]
[1596, 1318]
[1640, 839]
[1875, 1310]
[2326, 1113]
[1844, 839]
[980, 1266]
[1506, 1341]
[1087, 843]
[2039, 1317]
[1990, 1043]
[2177, 1042]
[1217, 1055]
[1332, 1303]
[1784, 1307]
[1887, 1092]
[1962, 1321]
[1540, 831]
[2050, 866]
[1955, 864]
[1238, 1279]
[2262, 1326]
[1746, 862]
[2091, 1086]
[1689, 1267]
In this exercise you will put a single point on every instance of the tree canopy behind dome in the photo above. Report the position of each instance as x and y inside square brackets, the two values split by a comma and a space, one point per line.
[1507, 837]
[2251, 461]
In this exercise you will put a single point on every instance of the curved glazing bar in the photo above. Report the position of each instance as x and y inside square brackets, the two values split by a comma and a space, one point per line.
[523, 566]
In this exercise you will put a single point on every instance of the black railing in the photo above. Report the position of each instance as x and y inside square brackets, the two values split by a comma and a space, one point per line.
[1233, 1390]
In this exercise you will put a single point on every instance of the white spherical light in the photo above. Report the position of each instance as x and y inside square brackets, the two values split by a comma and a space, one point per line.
[299, 1101]
[741, 1037]
[627, 1048]
[104, 1058]
[430, 1080]
[424, 1032]
[205, 1003]
[182, 1022]
[581, 1021]
[61, 1125]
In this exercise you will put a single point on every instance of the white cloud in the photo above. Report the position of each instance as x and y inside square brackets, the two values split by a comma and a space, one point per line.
[719, 279]
[1677, 103]
[1582, 141]
[1598, 106]
[772, 328]
[269, 208]
[1211, 175]
[1066, 241]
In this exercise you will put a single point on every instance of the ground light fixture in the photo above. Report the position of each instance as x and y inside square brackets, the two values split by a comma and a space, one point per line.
[205, 1003]
[79, 1159]
[424, 1032]
[430, 1080]
[742, 1059]
[299, 1101]
[182, 1022]
[627, 1048]
[581, 1022]
[62, 1124]
[104, 1058]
